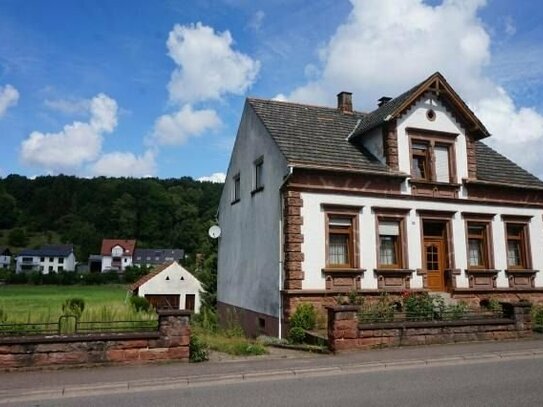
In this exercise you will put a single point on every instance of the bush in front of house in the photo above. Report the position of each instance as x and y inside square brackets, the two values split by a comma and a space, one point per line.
[140, 304]
[296, 335]
[537, 318]
[305, 317]
[197, 349]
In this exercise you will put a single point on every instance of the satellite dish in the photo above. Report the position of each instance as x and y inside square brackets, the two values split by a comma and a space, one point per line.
[214, 231]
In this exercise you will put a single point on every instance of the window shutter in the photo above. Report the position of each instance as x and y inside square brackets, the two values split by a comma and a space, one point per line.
[339, 221]
[442, 164]
[389, 229]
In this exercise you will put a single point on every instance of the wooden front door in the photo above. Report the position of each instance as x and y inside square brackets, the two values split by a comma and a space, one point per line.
[189, 302]
[434, 263]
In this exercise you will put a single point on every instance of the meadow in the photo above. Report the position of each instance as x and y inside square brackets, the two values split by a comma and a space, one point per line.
[43, 303]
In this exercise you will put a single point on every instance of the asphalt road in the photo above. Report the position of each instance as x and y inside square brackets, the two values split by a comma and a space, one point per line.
[505, 382]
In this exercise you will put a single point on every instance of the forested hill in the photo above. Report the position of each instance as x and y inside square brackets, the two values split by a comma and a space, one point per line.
[170, 213]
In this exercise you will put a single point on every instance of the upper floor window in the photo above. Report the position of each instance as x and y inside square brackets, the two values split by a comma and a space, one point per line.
[258, 175]
[236, 188]
[432, 159]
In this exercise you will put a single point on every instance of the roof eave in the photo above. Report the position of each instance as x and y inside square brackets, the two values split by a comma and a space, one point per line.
[309, 166]
[502, 184]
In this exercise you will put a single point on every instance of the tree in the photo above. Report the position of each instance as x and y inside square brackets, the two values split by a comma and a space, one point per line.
[17, 237]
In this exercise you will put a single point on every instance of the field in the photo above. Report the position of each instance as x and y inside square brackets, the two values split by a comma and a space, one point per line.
[43, 303]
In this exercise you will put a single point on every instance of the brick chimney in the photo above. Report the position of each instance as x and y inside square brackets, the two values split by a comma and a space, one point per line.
[345, 102]
[383, 100]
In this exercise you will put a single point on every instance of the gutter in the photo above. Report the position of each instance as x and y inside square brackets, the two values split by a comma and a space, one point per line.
[285, 181]
[502, 184]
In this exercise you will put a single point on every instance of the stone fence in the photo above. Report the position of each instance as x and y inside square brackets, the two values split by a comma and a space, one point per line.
[345, 332]
[169, 342]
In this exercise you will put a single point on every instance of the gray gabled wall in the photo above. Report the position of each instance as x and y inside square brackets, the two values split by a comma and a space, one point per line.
[249, 253]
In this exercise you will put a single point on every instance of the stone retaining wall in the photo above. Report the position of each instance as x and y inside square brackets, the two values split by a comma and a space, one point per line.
[169, 342]
[344, 331]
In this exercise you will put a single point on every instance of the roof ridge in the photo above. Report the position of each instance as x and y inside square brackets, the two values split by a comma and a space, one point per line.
[335, 109]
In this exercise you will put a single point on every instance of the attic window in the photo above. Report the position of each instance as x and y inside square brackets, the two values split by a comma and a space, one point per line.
[182, 278]
[430, 115]
[167, 277]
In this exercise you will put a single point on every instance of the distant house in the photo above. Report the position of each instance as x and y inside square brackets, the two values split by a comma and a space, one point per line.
[46, 259]
[153, 257]
[5, 258]
[117, 254]
[169, 286]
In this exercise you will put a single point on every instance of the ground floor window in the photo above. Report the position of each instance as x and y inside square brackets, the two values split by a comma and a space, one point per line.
[517, 247]
[341, 237]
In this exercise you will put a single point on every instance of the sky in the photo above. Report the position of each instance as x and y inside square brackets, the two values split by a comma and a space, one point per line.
[139, 88]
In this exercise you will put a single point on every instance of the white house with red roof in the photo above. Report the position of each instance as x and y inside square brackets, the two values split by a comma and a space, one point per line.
[117, 254]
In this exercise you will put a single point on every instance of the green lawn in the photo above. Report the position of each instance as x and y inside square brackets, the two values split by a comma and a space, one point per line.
[43, 303]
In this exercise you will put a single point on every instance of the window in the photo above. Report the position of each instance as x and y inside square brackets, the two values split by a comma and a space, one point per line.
[50, 268]
[61, 260]
[258, 175]
[60, 268]
[341, 239]
[390, 253]
[431, 160]
[478, 245]
[236, 190]
[51, 259]
[42, 259]
[517, 257]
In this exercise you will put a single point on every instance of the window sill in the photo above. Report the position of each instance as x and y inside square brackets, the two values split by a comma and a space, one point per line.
[257, 190]
[521, 271]
[436, 183]
[342, 270]
[482, 271]
[393, 271]
[234, 202]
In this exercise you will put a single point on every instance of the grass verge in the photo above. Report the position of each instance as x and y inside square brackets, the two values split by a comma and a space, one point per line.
[229, 341]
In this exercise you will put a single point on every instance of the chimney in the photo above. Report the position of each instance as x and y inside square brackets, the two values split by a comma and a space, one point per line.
[345, 102]
[383, 100]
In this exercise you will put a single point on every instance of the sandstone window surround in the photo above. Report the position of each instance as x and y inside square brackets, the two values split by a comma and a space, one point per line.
[391, 246]
[519, 257]
[342, 270]
[479, 250]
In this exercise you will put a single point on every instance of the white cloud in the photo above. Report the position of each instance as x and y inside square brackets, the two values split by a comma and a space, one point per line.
[9, 96]
[68, 106]
[207, 65]
[386, 46]
[176, 128]
[78, 143]
[217, 177]
[256, 20]
[125, 164]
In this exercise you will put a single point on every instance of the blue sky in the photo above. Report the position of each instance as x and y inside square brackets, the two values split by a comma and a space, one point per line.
[141, 88]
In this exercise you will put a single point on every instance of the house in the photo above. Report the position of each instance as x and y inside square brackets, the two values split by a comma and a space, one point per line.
[169, 286]
[5, 258]
[153, 257]
[46, 259]
[323, 201]
[116, 254]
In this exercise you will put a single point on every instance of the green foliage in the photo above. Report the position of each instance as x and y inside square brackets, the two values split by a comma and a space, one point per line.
[197, 349]
[422, 306]
[296, 334]
[73, 306]
[140, 304]
[134, 273]
[380, 311]
[3, 316]
[17, 237]
[206, 319]
[304, 317]
[456, 311]
[537, 318]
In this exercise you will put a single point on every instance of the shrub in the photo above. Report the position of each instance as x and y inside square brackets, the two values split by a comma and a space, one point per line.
[206, 319]
[380, 311]
[133, 273]
[73, 306]
[140, 304]
[537, 318]
[304, 317]
[197, 349]
[422, 306]
[3, 316]
[296, 334]
[456, 311]
[17, 278]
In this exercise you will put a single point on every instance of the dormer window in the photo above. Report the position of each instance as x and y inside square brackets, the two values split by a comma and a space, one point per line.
[432, 159]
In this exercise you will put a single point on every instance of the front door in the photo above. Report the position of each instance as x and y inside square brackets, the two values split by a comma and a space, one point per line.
[434, 263]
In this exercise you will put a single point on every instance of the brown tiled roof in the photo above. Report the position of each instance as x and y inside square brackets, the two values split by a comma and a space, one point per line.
[156, 270]
[317, 136]
[494, 167]
[127, 245]
[314, 135]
